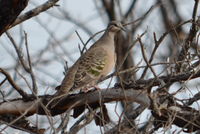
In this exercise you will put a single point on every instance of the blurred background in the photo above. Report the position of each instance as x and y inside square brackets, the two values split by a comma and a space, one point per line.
[52, 38]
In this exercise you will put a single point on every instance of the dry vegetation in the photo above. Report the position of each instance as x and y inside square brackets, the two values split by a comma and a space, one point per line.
[159, 70]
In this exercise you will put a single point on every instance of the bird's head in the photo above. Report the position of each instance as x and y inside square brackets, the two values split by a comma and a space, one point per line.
[115, 26]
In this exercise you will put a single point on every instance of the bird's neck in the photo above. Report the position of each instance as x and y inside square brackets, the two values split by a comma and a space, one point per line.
[109, 35]
[106, 39]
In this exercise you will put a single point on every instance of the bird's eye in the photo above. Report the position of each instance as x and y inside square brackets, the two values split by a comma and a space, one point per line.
[115, 25]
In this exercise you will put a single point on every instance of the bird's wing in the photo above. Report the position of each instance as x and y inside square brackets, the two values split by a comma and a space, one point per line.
[68, 81]
[90, 67]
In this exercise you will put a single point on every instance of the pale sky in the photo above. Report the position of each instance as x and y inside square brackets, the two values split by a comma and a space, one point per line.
[83, 11]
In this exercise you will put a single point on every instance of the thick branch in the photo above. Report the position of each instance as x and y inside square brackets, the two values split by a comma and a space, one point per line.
[35, 11]
[166, 110]
[166, 79]
[18, 106]
[9, 10]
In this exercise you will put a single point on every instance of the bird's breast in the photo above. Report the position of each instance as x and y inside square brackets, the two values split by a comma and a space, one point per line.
[110, 61]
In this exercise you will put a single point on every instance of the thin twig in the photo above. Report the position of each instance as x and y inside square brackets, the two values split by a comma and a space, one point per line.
[13, 84]
[129, 49]
[117, 72]
[45, 6]
[191, 36]
[152, 55]
[3, 82]
[145, 57]
[20, 117]
[87, 118]
[34, 84]
[64, 122]
[92, 38]
[19, 53]
[143, 16]
[84, 44]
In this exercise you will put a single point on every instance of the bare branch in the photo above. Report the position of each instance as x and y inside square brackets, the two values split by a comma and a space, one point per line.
[13, 84]
[9, 10]
[34, 12]
[191, 36]
[109, 95]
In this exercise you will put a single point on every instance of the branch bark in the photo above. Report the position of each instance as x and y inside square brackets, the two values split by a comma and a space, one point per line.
[18, 106]
[45, 6]
[9, 10]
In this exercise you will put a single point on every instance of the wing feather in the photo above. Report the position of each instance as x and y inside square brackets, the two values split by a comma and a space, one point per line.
[90, 67]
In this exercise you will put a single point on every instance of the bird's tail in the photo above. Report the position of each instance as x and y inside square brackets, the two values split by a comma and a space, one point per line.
[58, 97]
[101, 117]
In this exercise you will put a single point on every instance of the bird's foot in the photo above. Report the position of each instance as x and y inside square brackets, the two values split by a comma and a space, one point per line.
[85, 90]
[96, 87]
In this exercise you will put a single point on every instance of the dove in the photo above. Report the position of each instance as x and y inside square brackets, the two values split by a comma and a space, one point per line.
[94, 64]
[97, 62]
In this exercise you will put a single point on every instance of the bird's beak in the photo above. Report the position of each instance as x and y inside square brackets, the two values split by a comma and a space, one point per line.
[122, 28]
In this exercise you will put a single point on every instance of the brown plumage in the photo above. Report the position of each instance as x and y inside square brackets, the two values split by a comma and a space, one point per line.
[94, 64]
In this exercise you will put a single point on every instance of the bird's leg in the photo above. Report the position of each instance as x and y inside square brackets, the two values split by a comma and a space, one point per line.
[85, 89]
[96, 87]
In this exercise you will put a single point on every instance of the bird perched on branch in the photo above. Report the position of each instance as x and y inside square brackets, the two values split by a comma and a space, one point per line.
[94, 64]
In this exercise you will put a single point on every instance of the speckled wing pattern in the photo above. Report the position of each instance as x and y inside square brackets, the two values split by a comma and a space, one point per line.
[90, 67]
